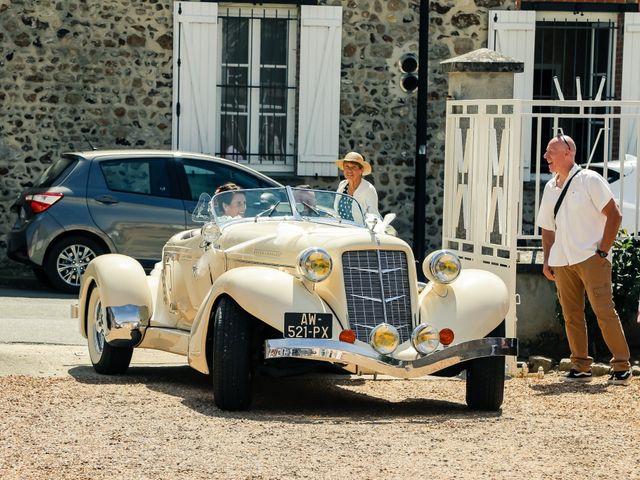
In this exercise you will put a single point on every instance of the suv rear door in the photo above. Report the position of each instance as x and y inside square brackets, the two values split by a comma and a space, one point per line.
[136, 203]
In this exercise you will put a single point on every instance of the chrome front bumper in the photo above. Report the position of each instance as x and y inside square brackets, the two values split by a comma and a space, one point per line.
[333, 351]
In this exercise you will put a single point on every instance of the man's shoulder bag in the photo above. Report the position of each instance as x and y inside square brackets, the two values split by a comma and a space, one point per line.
[562, 194]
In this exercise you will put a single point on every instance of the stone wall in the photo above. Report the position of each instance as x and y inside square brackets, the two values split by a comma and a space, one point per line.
[75, 71]
[379, 119]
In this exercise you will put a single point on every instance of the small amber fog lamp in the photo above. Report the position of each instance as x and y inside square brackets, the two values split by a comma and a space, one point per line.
[347, 336]
[384, 339]
[446, 336]
[425, 338]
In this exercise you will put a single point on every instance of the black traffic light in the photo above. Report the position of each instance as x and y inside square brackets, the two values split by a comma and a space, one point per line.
[409, 67]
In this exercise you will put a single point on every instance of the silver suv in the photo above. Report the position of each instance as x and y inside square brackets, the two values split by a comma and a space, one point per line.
[121, 201]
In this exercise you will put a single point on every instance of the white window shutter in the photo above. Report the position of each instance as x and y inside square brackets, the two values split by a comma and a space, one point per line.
[195, 68]
[513, 33]
[630, 81]
[319, 89]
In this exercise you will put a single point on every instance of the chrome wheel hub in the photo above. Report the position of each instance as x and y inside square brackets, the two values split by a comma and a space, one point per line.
[98, 328]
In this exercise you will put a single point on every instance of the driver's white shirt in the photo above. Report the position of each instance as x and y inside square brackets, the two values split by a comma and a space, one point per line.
[579, 223]
[226, 218]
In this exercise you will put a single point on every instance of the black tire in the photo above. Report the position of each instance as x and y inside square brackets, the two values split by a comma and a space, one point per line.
[105, 358]
[485, 379]
[231, 356]
[485, 383]
[68, 259]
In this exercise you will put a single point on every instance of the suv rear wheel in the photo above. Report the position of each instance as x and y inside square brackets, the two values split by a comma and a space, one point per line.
[68, 259]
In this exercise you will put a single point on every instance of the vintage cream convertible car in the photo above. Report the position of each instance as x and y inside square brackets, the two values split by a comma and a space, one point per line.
[298, 279]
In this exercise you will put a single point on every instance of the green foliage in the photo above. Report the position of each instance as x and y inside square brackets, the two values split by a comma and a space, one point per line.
[626, 277]
[626, 291]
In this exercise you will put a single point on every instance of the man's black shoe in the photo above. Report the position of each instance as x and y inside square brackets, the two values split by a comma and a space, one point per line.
[620, 378]
[576, 376]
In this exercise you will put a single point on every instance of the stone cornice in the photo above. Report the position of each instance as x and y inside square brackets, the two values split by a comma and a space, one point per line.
[482, 60]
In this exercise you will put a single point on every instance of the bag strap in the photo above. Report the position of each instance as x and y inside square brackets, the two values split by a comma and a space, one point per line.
[562, 194]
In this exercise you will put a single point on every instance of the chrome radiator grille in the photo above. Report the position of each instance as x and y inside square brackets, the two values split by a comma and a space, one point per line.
[377, 283]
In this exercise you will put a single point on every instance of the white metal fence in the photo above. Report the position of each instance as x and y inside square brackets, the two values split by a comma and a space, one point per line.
[490, 205]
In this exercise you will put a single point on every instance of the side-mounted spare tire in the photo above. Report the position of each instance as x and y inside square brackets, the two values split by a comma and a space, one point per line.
[485, 379]
[231, 356]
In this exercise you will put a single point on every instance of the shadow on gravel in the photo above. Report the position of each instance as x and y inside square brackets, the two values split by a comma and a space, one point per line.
[562, 388]
[152, 376]
[294, 400]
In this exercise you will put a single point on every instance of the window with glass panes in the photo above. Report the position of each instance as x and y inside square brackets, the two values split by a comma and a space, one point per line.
[257, 86]
[569, 50]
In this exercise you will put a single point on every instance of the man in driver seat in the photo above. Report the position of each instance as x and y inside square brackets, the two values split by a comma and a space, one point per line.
[305, 201]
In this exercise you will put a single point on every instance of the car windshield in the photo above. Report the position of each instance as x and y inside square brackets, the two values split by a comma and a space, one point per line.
[259, 204]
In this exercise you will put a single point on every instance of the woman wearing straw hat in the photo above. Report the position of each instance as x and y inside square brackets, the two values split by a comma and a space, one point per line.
[355, 167]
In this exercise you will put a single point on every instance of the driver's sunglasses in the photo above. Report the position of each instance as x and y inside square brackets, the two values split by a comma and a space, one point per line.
[561, 136]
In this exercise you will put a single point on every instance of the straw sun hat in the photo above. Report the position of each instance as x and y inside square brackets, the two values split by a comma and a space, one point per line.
[355, 157]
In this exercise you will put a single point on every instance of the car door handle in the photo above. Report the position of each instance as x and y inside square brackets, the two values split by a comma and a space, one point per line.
[108, 199]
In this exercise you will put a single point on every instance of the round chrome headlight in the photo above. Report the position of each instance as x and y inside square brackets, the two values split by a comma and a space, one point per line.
[425, 338]
[442, 266]
[315, 264]
[384, 339]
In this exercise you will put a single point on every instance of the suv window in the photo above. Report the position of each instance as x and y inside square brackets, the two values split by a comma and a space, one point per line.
[144, 176]
[204, 176]
[61, 166]
[246, 180]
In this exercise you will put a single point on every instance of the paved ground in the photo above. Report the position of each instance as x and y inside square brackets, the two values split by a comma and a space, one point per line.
[60, 360]
[16, 275]
[38, 337]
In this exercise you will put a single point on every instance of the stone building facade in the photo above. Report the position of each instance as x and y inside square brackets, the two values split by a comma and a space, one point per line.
[77, 73]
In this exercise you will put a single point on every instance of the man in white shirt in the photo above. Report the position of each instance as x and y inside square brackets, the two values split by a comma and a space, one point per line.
[577, 239]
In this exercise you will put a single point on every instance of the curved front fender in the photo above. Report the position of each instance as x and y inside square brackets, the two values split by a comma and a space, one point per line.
[121, 280]
[265, 293]
[472, 306]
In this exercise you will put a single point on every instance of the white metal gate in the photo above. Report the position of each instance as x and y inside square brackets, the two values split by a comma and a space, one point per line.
[486, 209]
[482, 174]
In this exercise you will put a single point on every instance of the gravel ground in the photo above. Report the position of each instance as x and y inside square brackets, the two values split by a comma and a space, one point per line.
[157, 423]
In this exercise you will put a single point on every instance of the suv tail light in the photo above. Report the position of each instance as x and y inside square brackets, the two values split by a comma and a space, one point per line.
[39, 202]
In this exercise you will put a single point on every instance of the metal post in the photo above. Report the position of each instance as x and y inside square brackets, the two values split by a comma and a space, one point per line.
[421, 138]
